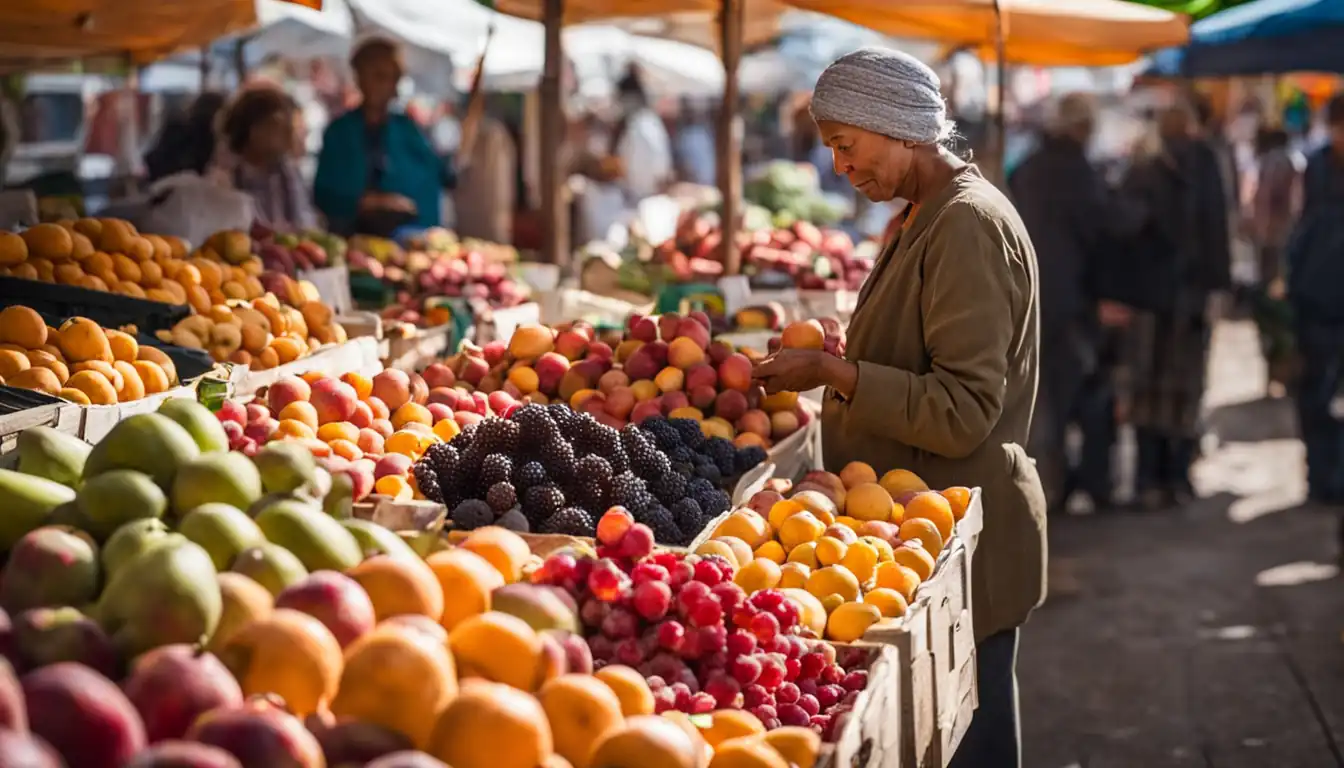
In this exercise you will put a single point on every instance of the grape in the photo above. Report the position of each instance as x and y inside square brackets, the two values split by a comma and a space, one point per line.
[741, 643]
[730, 596]
[706, 613]
[764, 626]
[832, 674]
[607, 582]
[725, 691]
[692, 592]
[556, 570]
[629, 653]
[829, 695]
[637, 542]
[755, 695]
[772, 673]
[683, 695]
[791, 669]
[787, 693]
[777, 644]
[855, 681]
[601, 647]
[813, 664]
[652, 599]
[764, 713]
[792, 714]
[655, 682]
[646, 571]
[745, 669]
[809, 704]
[702, 704]
[708, 572]
[663, 700]
[680, 573]
[713, 639]
[620, 624]
[671, 635]
[593, 612]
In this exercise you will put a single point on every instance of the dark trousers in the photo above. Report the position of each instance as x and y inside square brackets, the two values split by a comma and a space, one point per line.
[1070, 396]
[994, 738]
[1322, 349]
[1164, 461]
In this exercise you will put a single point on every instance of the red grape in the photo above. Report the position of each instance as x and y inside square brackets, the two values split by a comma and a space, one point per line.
[809, 704]
[637, 542]
[593, 612]
[832, 674]
[607, 582]
[706, 613]
[755, 695]
[821, 724]
[772, 673]
[791, 669]
[764, 713]
[692, 592]
[768, 599]
[680, 573]
[743, 615]
[620, 624]
[792, 714]
[813, 664]
[629, 653]
[741, 643]
[855, 681]
[702, 704]
[764, 626]
[777, 644]
[707, 572]
[787, 693]
[601, 647]
[647, 571]
[745, 669]
[671, 635]
[788, 614]
[663, 700]
[655, 682]
[667, 560]
[652, 599]
[682, 693]
[556, 570]
[730, 596]
[829, 695]
[725, 691]
[712, 639]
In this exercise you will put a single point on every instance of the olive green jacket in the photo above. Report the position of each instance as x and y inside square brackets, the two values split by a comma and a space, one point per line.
[945, 336]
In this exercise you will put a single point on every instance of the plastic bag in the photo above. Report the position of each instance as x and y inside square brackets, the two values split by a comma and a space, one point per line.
[193, 208]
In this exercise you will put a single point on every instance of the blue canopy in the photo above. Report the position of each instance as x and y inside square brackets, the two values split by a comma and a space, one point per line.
[1263, 37]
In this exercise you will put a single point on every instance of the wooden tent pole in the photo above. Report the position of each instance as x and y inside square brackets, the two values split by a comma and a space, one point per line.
[554, 201]
[729, 165]
[999, 155]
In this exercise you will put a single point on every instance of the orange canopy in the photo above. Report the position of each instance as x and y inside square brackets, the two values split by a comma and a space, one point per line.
[688, 21]
[1037, 32]
[34, 33]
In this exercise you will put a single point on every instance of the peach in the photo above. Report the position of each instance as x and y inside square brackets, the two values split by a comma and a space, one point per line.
[412, 413]
[763, 500]
[632, 319]
[730, 404]
[589, 401]
[261, 430]
[550, 368]
[901, 481]
[701, 375]
[445, 395]
[256, 412]
[642, 364]
[644, 390]
[735, 372]
[881, 529]
[334, 401]
[379, 408]
[718, 352]
[782, 425]
[717, 427]
[756, 422]
[626, 348]
[370, 441]
[667, 325]
[334, 599]
[572, 344]
[301, 411]
[439, 375]
[803, 334]
[391, 464]
[337, 430]
[746, 439]
[670, 379]
[473, 370]
[780, 401]
[525, 379]
[393, 387]
[613, 379]
[857, 473]
[620, 402]
[232, 410]
[494, 352]
[363, 415]
[701, 317]
[674, 400]
[644, 329]
[438, 412]
[285, 391]
[645, 409]
[419, 389]
[599, 350]
[693, 329]
[531, 341]
[498, 401]
[686, 412]
[465, 419]
[382, 427]
[684, 352]
[702, 397]
[658, 350]
[174, 684]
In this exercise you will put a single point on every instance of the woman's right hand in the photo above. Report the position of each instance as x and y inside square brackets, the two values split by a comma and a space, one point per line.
[386, 201]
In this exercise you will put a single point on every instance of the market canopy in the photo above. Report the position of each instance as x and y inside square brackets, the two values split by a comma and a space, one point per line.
[36, 33]
[687, 21]
[1037, 32]
[1263, 37]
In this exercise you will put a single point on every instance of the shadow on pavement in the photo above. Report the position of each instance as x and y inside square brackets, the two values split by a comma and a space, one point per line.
[1253, 421]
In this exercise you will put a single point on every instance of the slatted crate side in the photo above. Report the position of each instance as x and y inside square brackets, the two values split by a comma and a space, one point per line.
[63, 417]
[909, 639]
[952, 650]
[871, 735]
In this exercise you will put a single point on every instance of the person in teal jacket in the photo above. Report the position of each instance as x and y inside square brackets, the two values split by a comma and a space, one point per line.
[377, 171]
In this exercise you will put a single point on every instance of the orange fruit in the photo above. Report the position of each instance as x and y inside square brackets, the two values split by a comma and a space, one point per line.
[856, 473]
[937, 509]
[290, 654]
[399, 678]
[924, 531]
[504, 549]
[849, 621]
[399, 585]
[581, 710]
[899, 481]
[466, 580]
[362, 384]
[869, 501]
[834, 580]
[725, 724]
[914, 556]
[891, 603]
[630, 687]
[746, 525]
[492, 726]
[747, 753]
[337, 430]
[959, 497]
[650, 741]
[500, 648]
[796, 744]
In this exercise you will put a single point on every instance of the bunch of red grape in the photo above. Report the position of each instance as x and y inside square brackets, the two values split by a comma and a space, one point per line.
[699, 639]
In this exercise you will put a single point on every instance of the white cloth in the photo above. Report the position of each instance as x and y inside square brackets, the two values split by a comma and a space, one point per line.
[695, 143]
[646, 152]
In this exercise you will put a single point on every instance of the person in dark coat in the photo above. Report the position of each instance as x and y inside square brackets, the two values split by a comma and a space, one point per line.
[186, 142]
[1074, 220]
[1180, 182]
[1315, 264]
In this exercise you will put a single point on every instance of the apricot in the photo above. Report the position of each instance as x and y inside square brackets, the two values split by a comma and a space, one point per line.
[399, 586]
[531, 341]
[650, 741]
[38, 379]
[833, 580]
[13, 249]
[726, 724]
[857, 473]
[399, 678]
[49, 241]
[924, 531]
[759, 574]
[290, 654]
[95, 387]
[498, 647]
[935, 508]
[466, 580]
[803, 334]
[914, 556]
[746, 525]
[869, 501]
[12, 362]
[900, 481]
[799, 746]
[581, 710]
[746, 753]
[492, 726]
[898, 578]
[504, 549]
[74, 396]
[959, 497]
[630, 688]
[132, 388]
[23, 327]
[849, 621]
[889, 602]
[81, 340]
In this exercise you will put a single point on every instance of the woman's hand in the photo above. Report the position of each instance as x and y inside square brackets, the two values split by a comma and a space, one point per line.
[386, 201]
[799, 370]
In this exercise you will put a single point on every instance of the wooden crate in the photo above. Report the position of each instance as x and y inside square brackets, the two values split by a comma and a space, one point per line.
[422, 347]
[359, 354]
[871, 736]
[64, 417]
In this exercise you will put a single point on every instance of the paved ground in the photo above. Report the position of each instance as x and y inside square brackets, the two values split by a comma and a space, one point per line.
[1210, 636]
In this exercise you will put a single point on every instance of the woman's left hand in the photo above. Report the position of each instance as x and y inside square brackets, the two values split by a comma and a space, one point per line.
[794, 370]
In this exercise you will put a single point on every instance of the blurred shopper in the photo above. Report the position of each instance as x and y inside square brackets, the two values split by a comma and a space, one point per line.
[641, 142]
[187, 142]
[1177, 176]
[1074, 222]
[939, 375]
[1315, 261]
[1275, 203]
[695, 144]
[258, 158]
[377, 171]
[487, 185]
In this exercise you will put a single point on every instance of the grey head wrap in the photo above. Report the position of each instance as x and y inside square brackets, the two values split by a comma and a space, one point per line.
[883, 91]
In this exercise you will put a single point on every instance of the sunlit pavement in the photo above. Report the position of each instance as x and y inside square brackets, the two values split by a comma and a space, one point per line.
[1205, 636]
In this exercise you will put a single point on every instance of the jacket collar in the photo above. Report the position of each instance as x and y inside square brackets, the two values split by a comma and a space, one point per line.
[928, 210]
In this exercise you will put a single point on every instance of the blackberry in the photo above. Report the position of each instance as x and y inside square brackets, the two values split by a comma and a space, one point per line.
[588, 494]
[714, 502]
[669, 488]
[570, 521]
[427, 480]
[514, 520]
[627, 491]
[542, 501]
[498, 435]
[681, 454]
[535, 422]
[447, 465]
[699, 485]
[501, 497]
[566, 420]
[648, 462]
[689, 517]
[594, 468]
[689, 429]
[749, 458]
[641, 500]
[529, 474]
[496, 468]
[607, 444]
[709, 471]
[665, 530]
[472, 514]
[663, 433]
[683, 468]
[557, 457]
[724, 455]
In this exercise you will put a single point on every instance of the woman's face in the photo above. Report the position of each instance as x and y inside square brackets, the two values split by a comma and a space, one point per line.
[875, 165]
[377, 79]
[273, 137]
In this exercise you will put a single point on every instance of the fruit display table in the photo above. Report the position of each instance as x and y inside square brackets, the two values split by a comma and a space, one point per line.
[568, 304]
[358, 355]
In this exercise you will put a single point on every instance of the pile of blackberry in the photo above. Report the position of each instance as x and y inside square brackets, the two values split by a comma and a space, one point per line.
[549, 469]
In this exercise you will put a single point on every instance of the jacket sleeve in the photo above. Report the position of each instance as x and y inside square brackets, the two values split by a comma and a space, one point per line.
[967, 306]
[334, 194]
